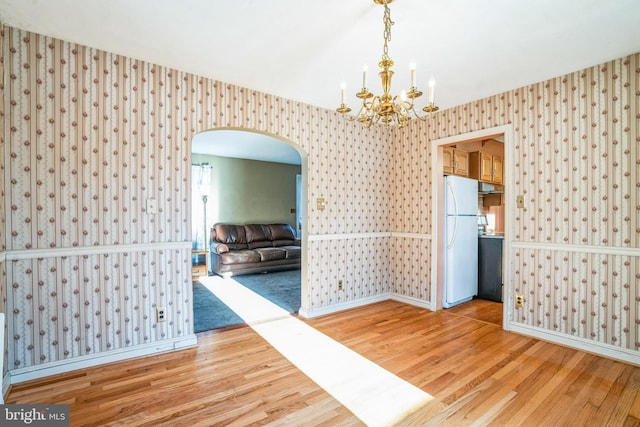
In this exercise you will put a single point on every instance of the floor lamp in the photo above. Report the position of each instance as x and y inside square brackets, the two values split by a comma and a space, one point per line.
[204, 221]
[205, 185]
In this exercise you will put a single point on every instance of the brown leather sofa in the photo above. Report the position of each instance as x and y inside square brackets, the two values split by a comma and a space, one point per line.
[253, 248]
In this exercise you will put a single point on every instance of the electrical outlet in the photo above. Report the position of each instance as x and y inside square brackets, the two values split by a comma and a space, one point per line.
[161, 314]
[519, 300]
[339, 285]
[520, 201]
[152, 206]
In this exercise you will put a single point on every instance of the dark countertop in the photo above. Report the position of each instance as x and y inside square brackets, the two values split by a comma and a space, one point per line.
[491, 236]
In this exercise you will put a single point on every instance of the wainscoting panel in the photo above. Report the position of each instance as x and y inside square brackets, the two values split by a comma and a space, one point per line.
[582, 295]
[411, 274]
[359, 261]
[72, 306]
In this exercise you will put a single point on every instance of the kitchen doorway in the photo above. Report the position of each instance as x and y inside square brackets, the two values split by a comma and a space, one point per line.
[442, 153]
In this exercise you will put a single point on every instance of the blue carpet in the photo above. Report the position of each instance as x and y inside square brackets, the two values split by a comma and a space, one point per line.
[209, 312]
[281, 288]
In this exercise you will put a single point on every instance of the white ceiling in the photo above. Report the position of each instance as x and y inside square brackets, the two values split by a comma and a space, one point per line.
[304, 50]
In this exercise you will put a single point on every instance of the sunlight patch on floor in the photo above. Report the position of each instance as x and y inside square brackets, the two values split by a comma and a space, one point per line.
[373, 394]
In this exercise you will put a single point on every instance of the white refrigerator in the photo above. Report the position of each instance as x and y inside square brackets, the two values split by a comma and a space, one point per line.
[460, 240]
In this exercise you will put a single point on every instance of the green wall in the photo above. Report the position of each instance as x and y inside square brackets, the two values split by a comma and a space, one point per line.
[250, 191]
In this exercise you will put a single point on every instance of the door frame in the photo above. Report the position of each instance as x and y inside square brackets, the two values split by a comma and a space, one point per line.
[437, 221]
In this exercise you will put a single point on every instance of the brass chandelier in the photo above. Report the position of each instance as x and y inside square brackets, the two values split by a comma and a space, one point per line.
[386, 108]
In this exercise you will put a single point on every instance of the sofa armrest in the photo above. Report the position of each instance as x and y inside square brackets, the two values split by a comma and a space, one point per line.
[219, 248]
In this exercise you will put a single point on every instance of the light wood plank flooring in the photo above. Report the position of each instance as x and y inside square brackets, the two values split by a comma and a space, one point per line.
[479, 309]
[476, 373]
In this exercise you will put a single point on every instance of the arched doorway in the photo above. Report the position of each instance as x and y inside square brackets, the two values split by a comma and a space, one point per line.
[251, 177]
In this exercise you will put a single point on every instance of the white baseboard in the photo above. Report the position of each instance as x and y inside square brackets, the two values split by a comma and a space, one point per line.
[308, 314]
[412, 301]
[62, 366]
[600, 349]
[364, 301]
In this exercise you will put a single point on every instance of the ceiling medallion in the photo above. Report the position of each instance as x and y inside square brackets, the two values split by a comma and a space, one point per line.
[392, 110]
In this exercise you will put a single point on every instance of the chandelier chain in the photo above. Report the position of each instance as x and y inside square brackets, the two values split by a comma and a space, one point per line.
[387, 31]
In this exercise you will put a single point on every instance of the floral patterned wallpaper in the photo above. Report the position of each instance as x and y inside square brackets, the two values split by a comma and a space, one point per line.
[578, 157]
[577, 162]
[90, 136]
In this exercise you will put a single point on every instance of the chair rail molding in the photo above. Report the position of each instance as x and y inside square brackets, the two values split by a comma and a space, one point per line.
[93, 250]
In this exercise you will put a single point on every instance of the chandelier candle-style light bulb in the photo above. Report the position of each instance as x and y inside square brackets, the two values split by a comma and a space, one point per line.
[343, 108]
[388, 109]
[364, 76]
[430, 107]
[431, 85]
[412, 69]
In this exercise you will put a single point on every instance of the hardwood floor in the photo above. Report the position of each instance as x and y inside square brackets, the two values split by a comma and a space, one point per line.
[476, 373]
[480, 309]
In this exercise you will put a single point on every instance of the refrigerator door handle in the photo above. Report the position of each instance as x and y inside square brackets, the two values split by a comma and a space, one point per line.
[453, 232]
[453, 198]
[452, 195]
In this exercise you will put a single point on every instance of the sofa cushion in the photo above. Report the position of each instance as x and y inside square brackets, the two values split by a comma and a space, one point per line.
[257, 236]
[292, 252]
[230, 234]
[271, 254]
[237, 246]
[239, 256]
[281, 232]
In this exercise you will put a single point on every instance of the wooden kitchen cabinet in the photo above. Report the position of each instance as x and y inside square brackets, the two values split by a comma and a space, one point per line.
[496, 199]
[498, 169]
[447, 160]
[485, 167]
[455, 162]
